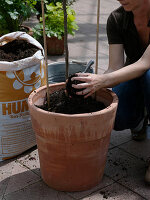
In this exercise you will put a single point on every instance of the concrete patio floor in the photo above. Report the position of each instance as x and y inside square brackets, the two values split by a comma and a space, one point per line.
[20, 177]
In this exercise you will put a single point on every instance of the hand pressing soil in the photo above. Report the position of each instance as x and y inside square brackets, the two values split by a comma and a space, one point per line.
[72, 91]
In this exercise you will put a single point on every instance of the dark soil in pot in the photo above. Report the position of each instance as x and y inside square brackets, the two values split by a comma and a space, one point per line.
[67, 102]
[17, 50]
[60, 102]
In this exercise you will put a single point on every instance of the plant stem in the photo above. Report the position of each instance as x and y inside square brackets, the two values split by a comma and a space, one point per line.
[66, 39]
[97, 36]
[45, 52]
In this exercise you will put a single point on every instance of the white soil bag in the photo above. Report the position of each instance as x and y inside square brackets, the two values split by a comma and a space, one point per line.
[17, 80]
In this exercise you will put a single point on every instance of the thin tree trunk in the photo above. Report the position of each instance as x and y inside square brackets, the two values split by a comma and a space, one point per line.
[97, 36]
[66, 39]
[45, 52]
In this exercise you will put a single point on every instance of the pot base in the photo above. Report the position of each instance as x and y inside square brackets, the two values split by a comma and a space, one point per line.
[75, 166]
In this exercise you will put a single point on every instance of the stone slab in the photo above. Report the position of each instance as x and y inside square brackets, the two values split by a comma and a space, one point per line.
[31, 160]
[114, 191]
[120, 137]
[121, 164]
[78, 195]
[38, 191]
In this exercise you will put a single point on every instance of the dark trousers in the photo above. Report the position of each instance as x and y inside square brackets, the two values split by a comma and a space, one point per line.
[134, 97]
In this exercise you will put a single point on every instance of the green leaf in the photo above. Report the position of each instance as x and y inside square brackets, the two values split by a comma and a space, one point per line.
[13, 15]
[9, 2]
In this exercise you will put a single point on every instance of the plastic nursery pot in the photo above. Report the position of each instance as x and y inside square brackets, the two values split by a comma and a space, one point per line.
[72, 148]
[57, 71]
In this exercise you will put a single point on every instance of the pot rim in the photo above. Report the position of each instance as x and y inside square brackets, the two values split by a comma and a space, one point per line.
[62, 62]
[109, 108]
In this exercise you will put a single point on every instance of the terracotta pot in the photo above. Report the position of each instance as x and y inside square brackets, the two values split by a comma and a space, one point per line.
[55, 46]
[72, 148]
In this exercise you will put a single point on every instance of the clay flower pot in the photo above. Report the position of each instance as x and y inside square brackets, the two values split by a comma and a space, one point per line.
[72, 148]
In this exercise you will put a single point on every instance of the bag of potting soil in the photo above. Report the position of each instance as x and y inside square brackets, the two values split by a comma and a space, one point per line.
[17, 80]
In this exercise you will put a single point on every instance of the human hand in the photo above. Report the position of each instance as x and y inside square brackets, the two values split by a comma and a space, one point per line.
[91, 83]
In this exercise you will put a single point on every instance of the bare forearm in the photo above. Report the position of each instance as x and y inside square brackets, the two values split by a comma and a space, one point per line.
[126, 73]
[93, 82]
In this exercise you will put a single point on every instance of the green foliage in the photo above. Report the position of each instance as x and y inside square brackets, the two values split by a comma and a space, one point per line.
[36, 4]
[69, 2]
[54, 22]
[12, 14]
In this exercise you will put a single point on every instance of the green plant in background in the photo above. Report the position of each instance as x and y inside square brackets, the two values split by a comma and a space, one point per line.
[36, 4]
[69, 2]
[12, 14]
[54, 22]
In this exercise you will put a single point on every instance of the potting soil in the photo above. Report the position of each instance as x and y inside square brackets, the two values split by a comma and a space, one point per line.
[60, 102]
[17, 50]
[17, 80]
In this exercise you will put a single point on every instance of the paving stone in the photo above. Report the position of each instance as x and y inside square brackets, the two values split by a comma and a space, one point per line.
[140, 149]
[84, 11]
[6, 168]
[14, 176]
[111, 146]
[38, 191]
[114, 191]
[136, 183]
[31, 160]
[120, 137]
[32, 22]
[121, 164]
[106, 7]
[81, 53]
[78, 195]
[20, 178]
[88, 31]
[3, 186]
[88, 41]
[89, 12]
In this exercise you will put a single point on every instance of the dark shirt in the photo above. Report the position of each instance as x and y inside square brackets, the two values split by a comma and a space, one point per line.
[121, 30]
